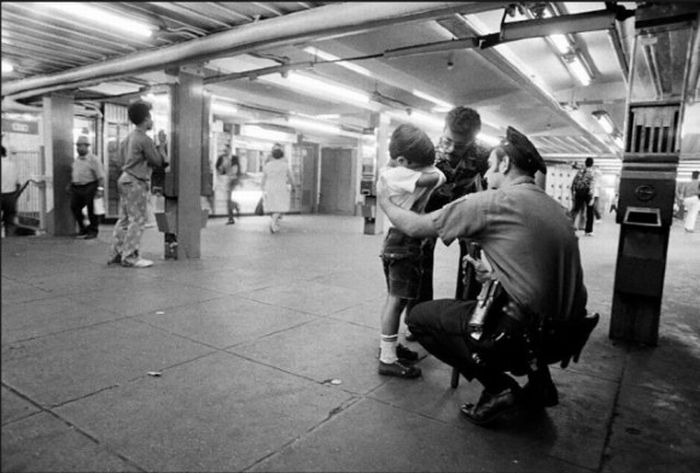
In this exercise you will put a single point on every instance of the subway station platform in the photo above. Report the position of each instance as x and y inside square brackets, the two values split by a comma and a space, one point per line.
[261, 356]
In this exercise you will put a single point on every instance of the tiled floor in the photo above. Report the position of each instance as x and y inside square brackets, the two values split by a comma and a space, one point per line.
[243, 343]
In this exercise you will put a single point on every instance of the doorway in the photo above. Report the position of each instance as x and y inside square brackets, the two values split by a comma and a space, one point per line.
[337, 181]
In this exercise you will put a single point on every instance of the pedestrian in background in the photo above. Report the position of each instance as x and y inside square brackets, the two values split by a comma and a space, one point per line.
[87, 183]
[688, 194]
[140, 156]
[276, 184]
[10, 191]
[228, 165]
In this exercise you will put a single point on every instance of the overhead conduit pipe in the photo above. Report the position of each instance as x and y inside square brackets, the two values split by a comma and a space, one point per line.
[327, 21]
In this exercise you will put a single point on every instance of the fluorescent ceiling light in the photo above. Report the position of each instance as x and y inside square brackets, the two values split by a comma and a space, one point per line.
[605, 121]
[319, 88]
[102, 17]
[156, 99]
[254, 131]
[488, 139]
[297, 122]
[418, 118]
[329, 57]
[441, 103]
[560, 42]
[579, 71]
[223, 108]
[7, 67]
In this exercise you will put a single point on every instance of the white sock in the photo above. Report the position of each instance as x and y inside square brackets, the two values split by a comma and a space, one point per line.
[387, 346]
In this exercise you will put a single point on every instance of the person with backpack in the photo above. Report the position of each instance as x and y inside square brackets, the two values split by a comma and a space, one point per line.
[582, 197]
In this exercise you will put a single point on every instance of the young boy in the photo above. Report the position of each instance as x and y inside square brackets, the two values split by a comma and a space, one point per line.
[409, 179]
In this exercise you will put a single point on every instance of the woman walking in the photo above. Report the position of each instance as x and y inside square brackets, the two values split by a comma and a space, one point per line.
[276, 184]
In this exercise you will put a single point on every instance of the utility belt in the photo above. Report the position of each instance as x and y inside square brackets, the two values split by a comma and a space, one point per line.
[503, 334]
[93, 183]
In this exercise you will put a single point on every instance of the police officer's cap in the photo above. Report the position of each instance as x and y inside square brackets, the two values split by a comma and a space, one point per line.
[523, 152]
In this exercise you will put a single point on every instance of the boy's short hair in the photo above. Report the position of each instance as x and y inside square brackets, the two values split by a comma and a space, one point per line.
[589, 162]
[138, 111]
[413, 144]
[463, 120]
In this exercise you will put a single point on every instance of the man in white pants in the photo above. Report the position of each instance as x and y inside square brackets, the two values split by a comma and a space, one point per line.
[689, 194]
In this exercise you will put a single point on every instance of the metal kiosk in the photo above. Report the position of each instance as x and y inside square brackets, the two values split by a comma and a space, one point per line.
[664, 56]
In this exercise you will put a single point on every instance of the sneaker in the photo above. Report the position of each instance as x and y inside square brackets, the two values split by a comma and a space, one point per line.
[398, 369]
[138, 263]
[589, 234]
[90, 236]
[230, 222]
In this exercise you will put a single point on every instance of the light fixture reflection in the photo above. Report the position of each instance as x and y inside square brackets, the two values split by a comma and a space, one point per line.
[7, 67]
[101, 17]
[579, 71]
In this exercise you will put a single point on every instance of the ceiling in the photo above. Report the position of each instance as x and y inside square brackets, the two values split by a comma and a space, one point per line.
[525, 83]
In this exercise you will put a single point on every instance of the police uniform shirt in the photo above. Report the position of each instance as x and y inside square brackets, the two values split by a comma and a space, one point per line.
[86, 169]
[528, 239]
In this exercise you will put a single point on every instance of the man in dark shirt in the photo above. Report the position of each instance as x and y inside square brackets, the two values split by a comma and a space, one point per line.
[139, 155]
[463, 161]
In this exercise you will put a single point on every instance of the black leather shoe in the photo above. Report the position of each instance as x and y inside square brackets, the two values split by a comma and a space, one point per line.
[491, 406]
[398, 369]
[405, 353]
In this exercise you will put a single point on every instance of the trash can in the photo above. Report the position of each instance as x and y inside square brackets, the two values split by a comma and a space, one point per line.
[645, 215]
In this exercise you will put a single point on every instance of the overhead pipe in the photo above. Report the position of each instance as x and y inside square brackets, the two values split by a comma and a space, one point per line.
[328, 21]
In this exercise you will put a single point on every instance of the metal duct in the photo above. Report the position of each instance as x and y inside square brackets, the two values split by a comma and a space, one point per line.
[327, 21]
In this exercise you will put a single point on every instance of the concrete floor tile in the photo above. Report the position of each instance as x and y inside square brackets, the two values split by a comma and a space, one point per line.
[573, 431]
[227, 320]
[15, 292]
[368, 313]
[150, 298]
[51, 315]
[57, 368]
[304, 297]
[322, 350]
[15, 407]
[47, 444]
[217, 413]
[372, 436]
[655, 430]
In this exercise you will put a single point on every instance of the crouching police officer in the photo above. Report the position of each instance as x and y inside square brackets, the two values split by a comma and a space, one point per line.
[532, 308]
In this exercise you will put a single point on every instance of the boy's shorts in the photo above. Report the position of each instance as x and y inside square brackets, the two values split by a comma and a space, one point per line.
[402, 265]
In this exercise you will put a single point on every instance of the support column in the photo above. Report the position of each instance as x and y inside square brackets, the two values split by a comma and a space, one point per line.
[59, 152]
[186, 163]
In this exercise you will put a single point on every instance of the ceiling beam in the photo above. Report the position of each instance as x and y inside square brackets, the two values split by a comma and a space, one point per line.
[333, 19]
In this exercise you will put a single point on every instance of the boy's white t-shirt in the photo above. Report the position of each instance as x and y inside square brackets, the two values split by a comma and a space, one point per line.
[401, 185]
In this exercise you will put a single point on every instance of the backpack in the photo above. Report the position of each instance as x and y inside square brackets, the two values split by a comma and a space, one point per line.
[582, 185]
